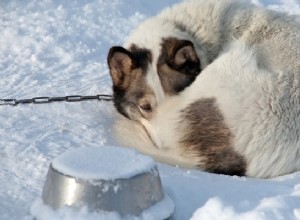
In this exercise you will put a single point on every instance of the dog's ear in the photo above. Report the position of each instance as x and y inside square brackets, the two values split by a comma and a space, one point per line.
[120, 64]
[178, 64]
[185, 54]
[182, 56]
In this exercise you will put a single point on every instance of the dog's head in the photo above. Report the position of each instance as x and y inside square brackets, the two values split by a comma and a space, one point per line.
[141, 80]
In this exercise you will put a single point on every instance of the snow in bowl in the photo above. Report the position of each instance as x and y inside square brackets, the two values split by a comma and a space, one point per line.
[104, 183]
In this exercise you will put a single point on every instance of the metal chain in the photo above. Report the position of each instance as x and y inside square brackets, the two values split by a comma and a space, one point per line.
[42, 100]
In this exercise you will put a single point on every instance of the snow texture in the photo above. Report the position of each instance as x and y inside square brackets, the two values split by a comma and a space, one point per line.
[103, 163]
[58, 48]
[160, 210]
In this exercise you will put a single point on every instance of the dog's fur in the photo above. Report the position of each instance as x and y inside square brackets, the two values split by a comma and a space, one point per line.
[240, 116]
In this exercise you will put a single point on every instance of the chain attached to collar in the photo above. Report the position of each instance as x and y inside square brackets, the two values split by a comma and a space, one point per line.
[42, 100]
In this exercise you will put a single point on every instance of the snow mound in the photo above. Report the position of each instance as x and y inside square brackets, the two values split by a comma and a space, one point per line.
[160, 210]
[105, 163]
[268, 208]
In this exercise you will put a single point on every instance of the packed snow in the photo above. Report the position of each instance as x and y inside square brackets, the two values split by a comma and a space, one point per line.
[160, 210]
[58, 48]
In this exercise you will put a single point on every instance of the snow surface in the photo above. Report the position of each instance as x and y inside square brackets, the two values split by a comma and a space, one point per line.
[160, 210]
[103, 163]
[57, 48]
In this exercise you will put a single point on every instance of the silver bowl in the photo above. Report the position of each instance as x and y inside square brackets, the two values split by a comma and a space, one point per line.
[126, 196]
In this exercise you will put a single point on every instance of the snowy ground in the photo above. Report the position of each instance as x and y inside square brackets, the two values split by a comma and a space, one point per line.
[49, 48]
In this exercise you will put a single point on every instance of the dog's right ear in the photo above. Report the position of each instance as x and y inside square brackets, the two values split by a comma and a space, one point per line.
[120, 64]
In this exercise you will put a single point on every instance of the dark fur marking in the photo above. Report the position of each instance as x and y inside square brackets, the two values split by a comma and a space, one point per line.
[177, 65]
[142, 56]
[209, 138]
[121, 64]
[128, 69]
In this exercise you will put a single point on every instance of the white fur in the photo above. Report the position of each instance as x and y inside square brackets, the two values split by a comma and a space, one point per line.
[261, 110]
[140, 141]
[153, 82]
[257, 90]
[212, 24]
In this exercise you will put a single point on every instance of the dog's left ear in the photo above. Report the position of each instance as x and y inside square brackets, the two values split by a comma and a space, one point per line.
[120, 64]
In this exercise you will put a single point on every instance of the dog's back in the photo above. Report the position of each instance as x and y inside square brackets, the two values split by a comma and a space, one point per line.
[213, 24]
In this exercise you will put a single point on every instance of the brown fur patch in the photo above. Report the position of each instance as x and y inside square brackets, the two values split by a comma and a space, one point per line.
[208, 137]
[178, 65]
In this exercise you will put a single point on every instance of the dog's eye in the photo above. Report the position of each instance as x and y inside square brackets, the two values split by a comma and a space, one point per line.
[146, 107]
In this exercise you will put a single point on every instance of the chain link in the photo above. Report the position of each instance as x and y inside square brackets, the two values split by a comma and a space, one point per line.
[43, 100]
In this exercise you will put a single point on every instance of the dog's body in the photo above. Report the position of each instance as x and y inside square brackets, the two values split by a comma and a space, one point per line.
[240, 116]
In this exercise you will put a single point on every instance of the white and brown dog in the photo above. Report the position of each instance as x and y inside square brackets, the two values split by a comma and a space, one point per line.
[190, 94]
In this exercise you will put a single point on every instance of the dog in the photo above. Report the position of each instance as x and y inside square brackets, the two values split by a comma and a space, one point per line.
[165, 70]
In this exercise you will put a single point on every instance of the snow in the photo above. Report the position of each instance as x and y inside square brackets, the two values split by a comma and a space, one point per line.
[103, 163]
[58, 48]
[44, 212]
[160, 210]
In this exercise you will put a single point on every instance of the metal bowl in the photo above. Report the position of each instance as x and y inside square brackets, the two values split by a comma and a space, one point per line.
[126, 196]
